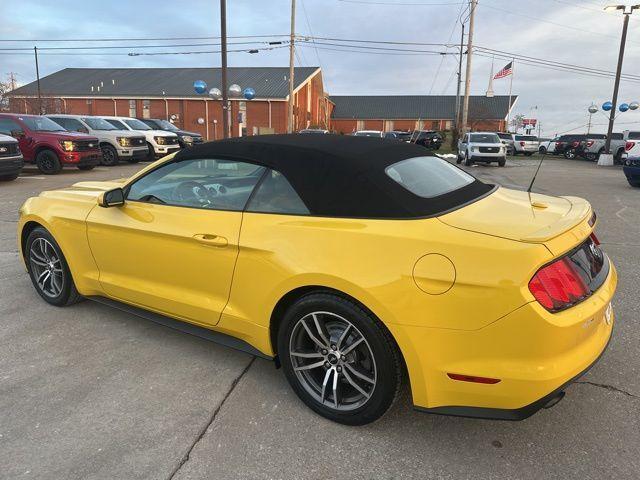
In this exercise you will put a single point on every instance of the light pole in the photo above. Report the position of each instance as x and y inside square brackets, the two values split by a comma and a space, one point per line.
[223, 53]
[627, 10]
[467, 78]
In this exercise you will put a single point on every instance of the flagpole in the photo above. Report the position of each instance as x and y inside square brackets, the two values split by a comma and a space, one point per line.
[513, 69]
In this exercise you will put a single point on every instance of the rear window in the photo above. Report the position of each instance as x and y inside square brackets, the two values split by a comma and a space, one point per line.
[527, 138]
[504, 136]
[634, 135]
[428, 177]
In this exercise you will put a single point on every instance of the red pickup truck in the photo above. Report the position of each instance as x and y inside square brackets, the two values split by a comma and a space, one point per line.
[48, 145]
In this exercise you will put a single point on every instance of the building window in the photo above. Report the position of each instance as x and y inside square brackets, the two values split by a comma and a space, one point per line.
[146, 109]
[89, 101]
[360, 125]
[132, 108]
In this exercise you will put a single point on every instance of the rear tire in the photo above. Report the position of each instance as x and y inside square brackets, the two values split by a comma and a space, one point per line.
[109, 155]
[365, 366]
[570, 153]
[8, 178]
[467, 161]
[542, 150]
[502, 162]
[48, 269]
[48, 163]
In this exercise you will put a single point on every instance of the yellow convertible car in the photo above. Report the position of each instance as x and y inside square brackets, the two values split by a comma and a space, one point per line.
[353, 262]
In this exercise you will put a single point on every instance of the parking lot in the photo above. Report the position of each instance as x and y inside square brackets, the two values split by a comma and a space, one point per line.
[95, 393]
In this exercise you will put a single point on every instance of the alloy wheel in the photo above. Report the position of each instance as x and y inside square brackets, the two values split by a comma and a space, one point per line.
[333, 361]
[46, 266]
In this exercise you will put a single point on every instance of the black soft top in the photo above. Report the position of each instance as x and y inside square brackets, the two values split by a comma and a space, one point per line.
[340, 176]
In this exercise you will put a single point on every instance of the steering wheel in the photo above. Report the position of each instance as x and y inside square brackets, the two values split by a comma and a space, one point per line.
[191, 191]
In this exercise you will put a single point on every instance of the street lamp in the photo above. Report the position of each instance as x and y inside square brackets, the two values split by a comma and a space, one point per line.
[627, 10]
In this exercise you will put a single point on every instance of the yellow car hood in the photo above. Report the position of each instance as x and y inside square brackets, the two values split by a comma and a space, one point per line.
[522, 216]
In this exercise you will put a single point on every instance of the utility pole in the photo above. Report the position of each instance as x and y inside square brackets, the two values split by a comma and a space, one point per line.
[607, 159]
[40, 112]
[223, 50]
[291, 57]
[456, 130]
[467, 80]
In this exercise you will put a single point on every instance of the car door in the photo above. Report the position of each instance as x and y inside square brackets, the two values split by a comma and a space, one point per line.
[173, 245]
[10, 127]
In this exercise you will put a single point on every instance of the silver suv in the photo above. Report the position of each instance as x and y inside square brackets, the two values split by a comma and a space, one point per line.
[481, 147]
[115, 144]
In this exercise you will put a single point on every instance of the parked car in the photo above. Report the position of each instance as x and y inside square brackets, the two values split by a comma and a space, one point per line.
[185, 138]
[48, 145]
[525, 144]
[484, 147]
[548, 146]
[427, 138]
[11, 160]
[570, 146]
[160, 143]
[593, 147]
[368, 133]
[631, 160]
[507, 140]
[491, 300]
[314, 131]
[115, 144]
[403, 136]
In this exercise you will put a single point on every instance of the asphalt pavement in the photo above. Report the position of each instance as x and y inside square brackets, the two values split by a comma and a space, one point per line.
[88, 392]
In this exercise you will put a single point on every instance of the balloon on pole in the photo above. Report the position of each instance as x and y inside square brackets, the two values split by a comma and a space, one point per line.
[623, 107]
[235, 90]
[215, 93]
[593, 108]
[607, 106]
[634, 105]
[249, 93]
[200, 86]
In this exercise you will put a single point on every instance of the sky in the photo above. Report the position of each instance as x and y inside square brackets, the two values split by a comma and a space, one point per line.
[576, 32]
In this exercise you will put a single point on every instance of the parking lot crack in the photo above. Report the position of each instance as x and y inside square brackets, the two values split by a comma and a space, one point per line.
[205, 429]
[607, 387]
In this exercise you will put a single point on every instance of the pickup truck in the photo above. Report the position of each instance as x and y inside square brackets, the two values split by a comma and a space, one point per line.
[591, 148]
[11, 160]
[48, 145]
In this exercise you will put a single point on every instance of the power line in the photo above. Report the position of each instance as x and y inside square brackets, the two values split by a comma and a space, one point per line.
[453, 29]
[123, 39]
[423, 4]
[116, 47]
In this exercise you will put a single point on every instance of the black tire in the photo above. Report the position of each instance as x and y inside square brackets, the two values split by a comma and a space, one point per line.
[542, 150]
[617, 158]
[570, 153]
[48, 163]
[459, 159]
[109, 155]
[152, 153]
[385, 358]
[634, 183]
[68, 293]
[9, 178]
[502, 162]
[86, 167]
[467, 160]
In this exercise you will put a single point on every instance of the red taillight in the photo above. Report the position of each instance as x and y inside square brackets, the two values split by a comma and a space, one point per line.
[522, 144]
[589, 143]
[575, 144]
[629, 145]
[558, 286]
[473, 378]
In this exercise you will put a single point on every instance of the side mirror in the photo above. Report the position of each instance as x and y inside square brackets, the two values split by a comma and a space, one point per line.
[17, 134]
[111, 198]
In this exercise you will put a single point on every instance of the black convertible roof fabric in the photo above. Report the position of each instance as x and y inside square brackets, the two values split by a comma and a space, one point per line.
[340, 176]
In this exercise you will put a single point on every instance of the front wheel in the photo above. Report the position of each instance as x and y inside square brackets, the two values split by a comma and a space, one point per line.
[48, 269]
[502, 162]
[109, 155]
[339, 359]
[48, 163]
[152, 153]
[570, 153]
[542, 150]
[467, 160]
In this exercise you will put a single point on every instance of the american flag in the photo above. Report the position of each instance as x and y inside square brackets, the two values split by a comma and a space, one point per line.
[505, 72]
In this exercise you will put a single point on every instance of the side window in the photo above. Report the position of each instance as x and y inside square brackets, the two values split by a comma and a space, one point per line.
[117, 123]
[9, 127]
[74, 125]
[207, 183]
[276, 195]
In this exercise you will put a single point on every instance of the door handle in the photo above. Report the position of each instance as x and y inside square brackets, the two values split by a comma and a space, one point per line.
[213, 240]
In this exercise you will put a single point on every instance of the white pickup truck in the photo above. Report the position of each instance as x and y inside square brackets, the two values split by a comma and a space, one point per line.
[591, 148]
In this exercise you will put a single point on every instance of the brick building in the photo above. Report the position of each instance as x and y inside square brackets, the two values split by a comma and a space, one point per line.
[168, 93]
[409, 112]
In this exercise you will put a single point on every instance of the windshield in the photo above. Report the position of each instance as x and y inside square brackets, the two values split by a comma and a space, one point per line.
[137, 124]
[504, 136]
[484, 138]
[98, 123]
[310, 131]
[164, 125]
[428, 177]
[42, 124]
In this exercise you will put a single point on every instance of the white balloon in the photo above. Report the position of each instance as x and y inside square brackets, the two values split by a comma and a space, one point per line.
[634, 105]
[235, 90]
[215, 93]
[593, 108]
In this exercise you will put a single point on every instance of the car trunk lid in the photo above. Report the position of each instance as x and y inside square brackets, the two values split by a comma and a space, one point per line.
[521, 216]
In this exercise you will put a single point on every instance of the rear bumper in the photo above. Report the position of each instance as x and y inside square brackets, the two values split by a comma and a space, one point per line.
[11, 165]
[533, 353]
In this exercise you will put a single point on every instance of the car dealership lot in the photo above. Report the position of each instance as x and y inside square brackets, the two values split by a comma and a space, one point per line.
[96, 393]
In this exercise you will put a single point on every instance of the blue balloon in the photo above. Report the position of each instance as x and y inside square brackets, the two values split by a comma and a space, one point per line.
[249, 93]
[200, 86]
[623, 107]
[606, 106]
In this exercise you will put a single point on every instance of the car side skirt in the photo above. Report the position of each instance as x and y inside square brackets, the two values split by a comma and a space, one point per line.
[205, 333]
[516, 414]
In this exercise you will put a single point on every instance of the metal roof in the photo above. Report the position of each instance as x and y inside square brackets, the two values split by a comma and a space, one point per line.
[268, 82]
[427, 107]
